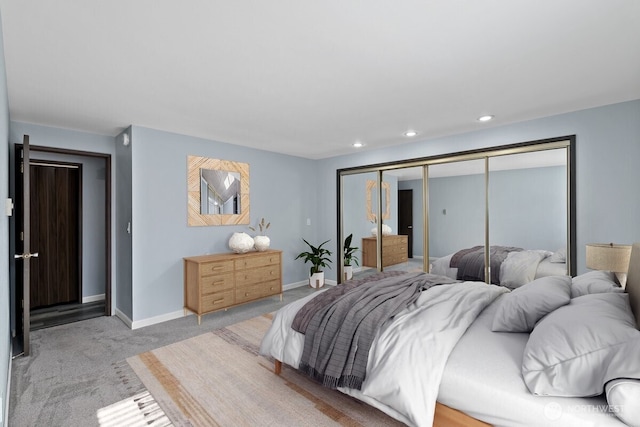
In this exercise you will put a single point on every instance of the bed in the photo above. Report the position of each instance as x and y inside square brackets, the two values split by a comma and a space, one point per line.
[485, 349]
[510, 266]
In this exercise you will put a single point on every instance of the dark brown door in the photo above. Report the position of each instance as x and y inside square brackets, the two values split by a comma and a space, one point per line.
[55, 233]
[405, 217]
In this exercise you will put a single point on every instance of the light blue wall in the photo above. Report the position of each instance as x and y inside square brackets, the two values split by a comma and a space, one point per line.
[608, 149]
[5, 341]
[284, 190]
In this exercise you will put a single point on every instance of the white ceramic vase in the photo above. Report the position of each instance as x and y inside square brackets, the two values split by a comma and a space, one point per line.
[241, 243]
[386, 230]
[316, 280]
[261, 243]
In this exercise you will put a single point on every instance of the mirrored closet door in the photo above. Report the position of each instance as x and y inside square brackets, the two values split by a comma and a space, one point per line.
[436, 212]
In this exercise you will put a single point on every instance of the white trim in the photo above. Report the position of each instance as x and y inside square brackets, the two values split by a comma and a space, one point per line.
[120, 315]
[93, 298]
[4, 417]
[181, 313]
[295, 285]
[157, 319]
[306, 283]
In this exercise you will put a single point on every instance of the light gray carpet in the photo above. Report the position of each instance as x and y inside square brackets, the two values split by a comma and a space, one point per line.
[78, 368]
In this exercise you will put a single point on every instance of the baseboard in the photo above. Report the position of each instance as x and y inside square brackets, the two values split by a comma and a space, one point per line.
[93, 298]
[4, 416]
[181, 313]
[306, 283]
[295, 285]
[158, 319]
[120, 315]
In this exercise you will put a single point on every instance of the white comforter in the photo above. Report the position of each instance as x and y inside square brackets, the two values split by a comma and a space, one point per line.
[407, 358]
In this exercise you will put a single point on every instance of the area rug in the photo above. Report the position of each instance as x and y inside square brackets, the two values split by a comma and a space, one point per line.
[219, 379]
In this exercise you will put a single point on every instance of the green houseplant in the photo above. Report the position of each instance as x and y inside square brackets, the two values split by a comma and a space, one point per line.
[319, 258]
[349, 257]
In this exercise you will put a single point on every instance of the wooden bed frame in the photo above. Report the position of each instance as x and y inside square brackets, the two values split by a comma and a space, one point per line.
[446, 416]
[443, 417]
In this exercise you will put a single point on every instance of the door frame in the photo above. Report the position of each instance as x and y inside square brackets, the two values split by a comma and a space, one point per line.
[403, 208]
[108, 235]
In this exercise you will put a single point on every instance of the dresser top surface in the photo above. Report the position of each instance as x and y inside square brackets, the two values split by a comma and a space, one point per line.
[230, 256]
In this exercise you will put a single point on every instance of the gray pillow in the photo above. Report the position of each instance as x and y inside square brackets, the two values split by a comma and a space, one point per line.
[594, 282]
[521, 309]
[623, 396]
[576, 349]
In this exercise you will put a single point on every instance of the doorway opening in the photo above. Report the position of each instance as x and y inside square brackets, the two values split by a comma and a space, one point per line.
[70, 232]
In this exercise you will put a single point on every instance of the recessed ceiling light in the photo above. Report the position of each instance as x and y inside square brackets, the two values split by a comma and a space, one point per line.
[358, 144]
[485, 118]
[410, 133]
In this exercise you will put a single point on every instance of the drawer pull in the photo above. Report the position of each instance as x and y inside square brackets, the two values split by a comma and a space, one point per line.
[246, 294]
[219, 282]
[218, 301]
[217, 267]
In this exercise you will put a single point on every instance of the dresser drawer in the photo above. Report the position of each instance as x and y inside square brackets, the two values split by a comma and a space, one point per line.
[258, 290]
[217, 301]
[216, 267]
[258, 261]
[257, 275]
[216, 283]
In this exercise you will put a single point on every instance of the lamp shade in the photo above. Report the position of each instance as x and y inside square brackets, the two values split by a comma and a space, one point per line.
[609, 257]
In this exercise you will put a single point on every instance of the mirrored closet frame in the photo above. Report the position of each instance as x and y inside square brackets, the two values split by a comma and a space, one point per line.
[567, 142]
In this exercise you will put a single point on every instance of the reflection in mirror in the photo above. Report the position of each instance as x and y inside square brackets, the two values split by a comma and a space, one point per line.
[219, 192]
[528, 204]
[456, 212]
[483, 198]
[372, 200]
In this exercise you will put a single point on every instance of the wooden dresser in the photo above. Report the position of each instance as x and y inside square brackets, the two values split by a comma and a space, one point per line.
[394, 250]
[220, 281]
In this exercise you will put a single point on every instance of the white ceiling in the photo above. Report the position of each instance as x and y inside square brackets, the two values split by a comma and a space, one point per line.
[310, 78]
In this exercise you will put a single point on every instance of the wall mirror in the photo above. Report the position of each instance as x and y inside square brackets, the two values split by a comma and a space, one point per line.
[218, 192]
[518, 195]
[372, 200]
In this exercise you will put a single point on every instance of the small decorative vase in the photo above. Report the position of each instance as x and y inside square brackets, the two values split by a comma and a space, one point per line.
[316, 280]
[386, 230]
[261, 243]
[240, 243]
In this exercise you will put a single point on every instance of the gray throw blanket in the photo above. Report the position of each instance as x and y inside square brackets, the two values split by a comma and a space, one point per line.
[339, 335]
[471, 263]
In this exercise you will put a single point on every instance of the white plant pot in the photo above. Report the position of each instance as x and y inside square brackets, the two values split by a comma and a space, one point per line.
[348, 272]
[316, 280]
[240, 243]
[261, 243]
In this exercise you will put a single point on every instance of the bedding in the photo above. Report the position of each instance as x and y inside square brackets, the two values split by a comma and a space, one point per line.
[400, 380]
[510, 267]
[442, 346]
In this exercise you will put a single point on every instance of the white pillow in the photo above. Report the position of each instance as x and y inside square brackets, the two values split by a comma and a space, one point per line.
[577, 348]
[521, 309]
[519, 268]
[594, 282]
[560, 256]
[623, 397]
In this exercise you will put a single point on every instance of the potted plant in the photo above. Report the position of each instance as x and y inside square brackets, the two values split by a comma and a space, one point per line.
[261, 241]
[349, 257]
[319, 258]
